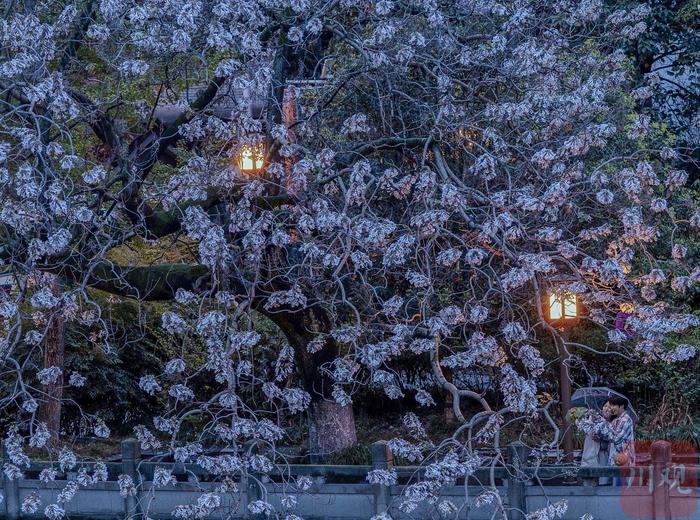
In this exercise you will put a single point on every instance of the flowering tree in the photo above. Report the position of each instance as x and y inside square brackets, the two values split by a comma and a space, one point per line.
[417, 200]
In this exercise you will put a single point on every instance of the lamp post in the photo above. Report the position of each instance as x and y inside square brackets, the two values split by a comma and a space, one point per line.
[562, 312]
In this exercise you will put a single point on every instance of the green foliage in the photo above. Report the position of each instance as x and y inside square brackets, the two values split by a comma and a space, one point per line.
[359, 454]
[686, 432]
[651, 382]
[137, 345]
[112, 371]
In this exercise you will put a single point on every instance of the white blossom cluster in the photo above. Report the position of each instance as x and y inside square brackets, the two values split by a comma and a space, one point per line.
[429, 178]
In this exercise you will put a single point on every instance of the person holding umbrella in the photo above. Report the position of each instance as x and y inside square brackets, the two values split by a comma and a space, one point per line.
[619, 433]
[609, 427]
[595, 397]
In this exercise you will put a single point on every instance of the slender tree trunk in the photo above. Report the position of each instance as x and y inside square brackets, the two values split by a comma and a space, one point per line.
[54, 351]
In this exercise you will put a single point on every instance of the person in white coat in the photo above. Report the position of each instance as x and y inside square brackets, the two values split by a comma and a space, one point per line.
[595, 450]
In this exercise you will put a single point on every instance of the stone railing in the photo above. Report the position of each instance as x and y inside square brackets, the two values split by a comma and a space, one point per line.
[343, 493]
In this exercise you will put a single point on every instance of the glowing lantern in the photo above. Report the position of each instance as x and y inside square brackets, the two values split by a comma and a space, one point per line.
[251, 158]
[562, 306]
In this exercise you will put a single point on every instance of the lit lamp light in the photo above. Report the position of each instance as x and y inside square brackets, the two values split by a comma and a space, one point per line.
[561, 307]
[251, 158]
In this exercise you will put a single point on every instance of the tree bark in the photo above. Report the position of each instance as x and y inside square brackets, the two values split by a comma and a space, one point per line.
[54, 353]
[331, 429]
[448, 413]
[331, 426]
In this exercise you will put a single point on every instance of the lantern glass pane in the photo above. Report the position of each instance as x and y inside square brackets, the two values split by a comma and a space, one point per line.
[555, 307]
[562, 305]
[570, 306]
[247, 158]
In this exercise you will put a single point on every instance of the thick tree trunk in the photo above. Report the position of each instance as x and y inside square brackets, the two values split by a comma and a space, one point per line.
[331, 426]
[54, 350]
[331, 429]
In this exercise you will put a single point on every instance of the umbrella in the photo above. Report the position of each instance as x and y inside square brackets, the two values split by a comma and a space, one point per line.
[595, 397]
